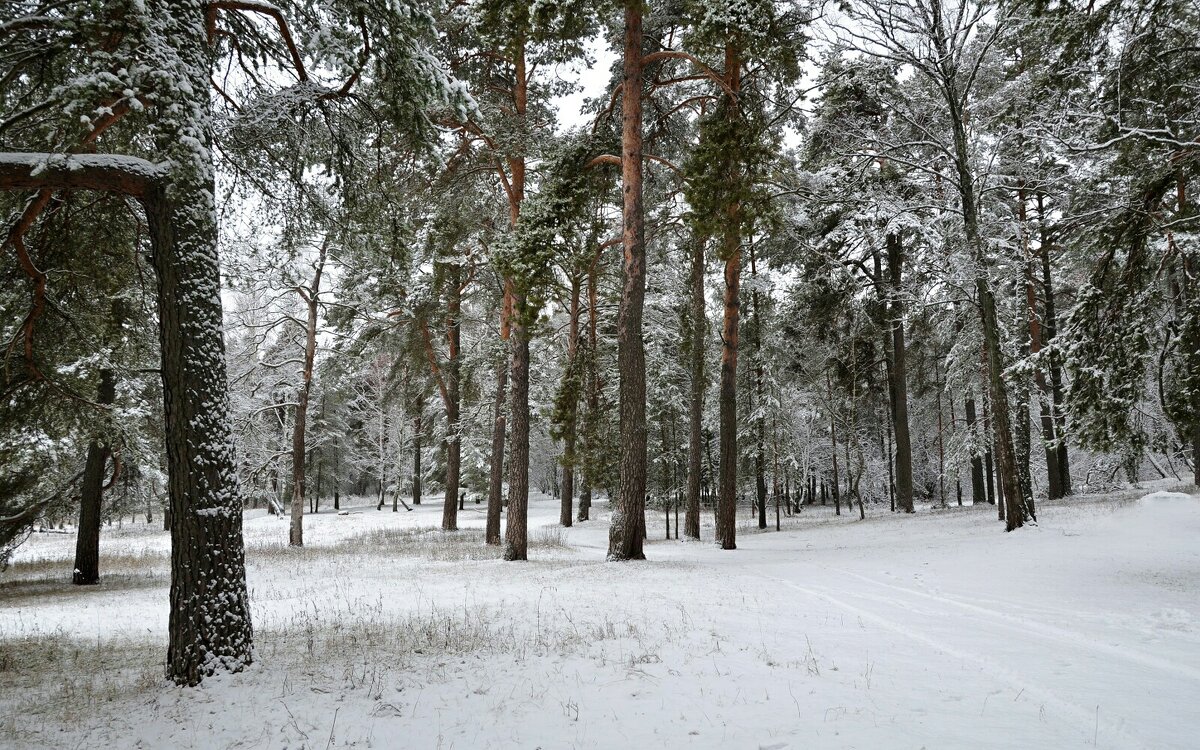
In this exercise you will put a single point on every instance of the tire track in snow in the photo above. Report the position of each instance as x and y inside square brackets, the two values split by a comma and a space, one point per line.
[1083, 719]
[1049, 632]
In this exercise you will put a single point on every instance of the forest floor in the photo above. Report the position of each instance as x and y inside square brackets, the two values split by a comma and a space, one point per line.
[936, 630]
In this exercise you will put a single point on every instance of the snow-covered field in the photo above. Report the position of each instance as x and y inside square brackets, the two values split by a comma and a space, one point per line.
[929, 631]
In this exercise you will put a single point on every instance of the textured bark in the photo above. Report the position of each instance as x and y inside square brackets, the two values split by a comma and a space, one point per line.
[731, 252]
[516, 528]
[311, 299]
[91, 492]
[106, 173]
[514, 181]
[627, 532]
[691, 523]
[899, 372]
[209, 622]
[727, 450]
[1021, 391]
[452, 405]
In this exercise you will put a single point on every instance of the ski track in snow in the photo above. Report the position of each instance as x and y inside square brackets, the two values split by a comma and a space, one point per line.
[1027, 626]
[1079, 716]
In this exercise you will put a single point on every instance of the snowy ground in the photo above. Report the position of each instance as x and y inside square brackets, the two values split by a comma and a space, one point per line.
[930, 631]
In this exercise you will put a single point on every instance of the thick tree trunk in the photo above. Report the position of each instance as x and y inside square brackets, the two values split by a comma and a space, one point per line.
[311, 299]
[899, 381]
[516, 196]
[516, 528]
[453, 368]
[91, 491]
[727, 482]
[626, 533]
[731, 252]
[691, 523]
[209, 622]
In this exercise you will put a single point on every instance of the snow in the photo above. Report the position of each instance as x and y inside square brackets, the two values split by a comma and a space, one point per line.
[38, 163]
[934, 630]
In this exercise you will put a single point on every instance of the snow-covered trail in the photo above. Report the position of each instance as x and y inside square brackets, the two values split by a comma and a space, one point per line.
[1089, 617]
[930, 631]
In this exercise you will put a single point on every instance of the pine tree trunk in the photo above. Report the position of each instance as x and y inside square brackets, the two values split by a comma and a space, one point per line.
[453, 369]
[979, 494]
[727, 482]
[1049, 329]
[1053, 473]
[337, 477]
[1003, 434]
[209, 622]
[626, 533]
[732, 253]
[516, 530]
[891, 452]
[300, 424]
[1018, 508]
[760, 469]
[496, 483]
[91, 490]
[418, 429]
[593, 394]
[899, 382]
[691, 521]
[1020, 392]
[837, 498]
[941, 436]
[566, 511]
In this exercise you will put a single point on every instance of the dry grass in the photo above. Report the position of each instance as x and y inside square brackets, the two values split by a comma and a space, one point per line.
[63, 680]
[24, 582]
[50, 679]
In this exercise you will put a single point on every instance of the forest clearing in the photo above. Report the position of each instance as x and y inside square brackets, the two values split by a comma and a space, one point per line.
[599, 373]
[834, 633]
